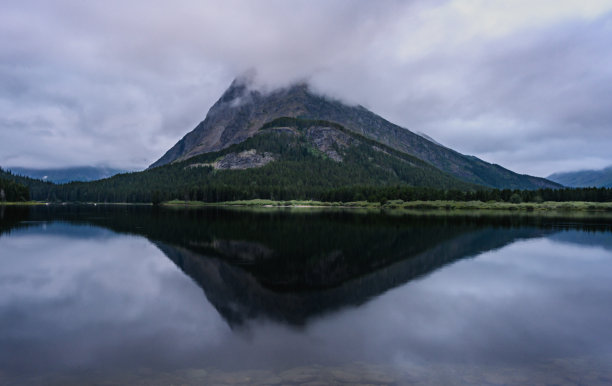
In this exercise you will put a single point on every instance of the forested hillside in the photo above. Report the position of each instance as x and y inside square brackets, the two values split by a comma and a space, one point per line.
[304, 160]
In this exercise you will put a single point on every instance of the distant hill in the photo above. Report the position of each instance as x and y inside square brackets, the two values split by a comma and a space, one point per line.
[584, 178]
[241, 112]
[64, 175]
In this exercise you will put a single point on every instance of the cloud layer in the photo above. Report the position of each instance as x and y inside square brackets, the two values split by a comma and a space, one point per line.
[117, 83]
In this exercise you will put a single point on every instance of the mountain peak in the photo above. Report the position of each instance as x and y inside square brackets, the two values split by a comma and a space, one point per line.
[243, 109]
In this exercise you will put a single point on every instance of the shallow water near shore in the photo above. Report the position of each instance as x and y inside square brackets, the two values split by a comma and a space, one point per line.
[140, 295]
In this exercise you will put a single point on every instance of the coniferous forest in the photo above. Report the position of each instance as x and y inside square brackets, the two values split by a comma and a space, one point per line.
[125, 189]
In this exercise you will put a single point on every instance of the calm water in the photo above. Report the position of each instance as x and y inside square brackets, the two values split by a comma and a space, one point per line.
[135, 295]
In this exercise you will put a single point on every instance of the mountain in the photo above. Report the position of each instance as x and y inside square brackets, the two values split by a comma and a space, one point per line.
[64, 175]
[584, 178]
[242, 111]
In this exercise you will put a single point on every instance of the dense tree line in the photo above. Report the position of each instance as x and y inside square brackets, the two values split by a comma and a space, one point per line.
[150, 189]
[382, 194]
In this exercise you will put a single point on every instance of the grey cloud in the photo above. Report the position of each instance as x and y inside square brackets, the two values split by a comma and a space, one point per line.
[118, 83]
[525, 91]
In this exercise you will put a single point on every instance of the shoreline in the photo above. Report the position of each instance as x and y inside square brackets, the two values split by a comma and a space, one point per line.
[445, 206]
[23, 203]
[570, 206]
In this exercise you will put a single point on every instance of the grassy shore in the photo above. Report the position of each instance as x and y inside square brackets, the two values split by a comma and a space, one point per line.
[412, 205]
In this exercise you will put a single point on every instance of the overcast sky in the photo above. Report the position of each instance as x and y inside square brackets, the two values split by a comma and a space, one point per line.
[525, 84]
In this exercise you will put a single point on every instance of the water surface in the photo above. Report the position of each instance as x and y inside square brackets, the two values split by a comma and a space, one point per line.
[143, 295]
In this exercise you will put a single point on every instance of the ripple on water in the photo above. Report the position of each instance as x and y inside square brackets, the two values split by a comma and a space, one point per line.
[557, 372]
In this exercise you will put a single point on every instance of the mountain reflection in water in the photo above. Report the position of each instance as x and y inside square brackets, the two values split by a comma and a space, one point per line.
[306, 286]
[289, 265]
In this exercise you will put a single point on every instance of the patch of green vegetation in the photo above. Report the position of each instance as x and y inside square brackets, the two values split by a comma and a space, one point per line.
[495, 205]
[183, 203]
[438, 205]
[23, 203]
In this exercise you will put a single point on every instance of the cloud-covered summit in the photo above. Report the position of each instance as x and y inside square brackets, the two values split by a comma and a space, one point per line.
[518, 83]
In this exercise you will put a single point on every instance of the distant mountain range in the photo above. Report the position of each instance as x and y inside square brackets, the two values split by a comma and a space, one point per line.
[241, 112]
[63, 175]
[584, 178]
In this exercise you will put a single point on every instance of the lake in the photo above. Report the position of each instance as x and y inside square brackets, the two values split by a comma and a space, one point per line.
[142, 295]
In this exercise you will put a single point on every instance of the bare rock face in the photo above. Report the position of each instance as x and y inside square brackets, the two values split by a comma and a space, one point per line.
[328, 140]
[244, 160]
[237, 161]
[236, 116]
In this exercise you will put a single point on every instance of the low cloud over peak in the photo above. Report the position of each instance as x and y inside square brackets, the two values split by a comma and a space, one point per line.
[518, 83]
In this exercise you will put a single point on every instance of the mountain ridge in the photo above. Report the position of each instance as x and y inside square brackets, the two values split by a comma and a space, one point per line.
[68, 174]
[601, 178]
[241, 111]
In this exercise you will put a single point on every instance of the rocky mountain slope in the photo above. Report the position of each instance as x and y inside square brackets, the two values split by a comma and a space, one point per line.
[242, 111]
